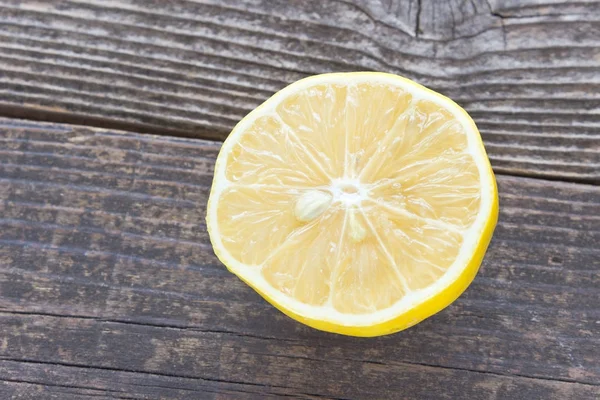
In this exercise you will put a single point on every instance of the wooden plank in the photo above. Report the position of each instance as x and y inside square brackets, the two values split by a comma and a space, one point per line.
[527, 71]
[529, 8]
[108, 283]
[249, 368]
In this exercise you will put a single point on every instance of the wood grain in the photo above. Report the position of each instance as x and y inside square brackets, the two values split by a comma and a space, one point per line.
[527, 71]
[109, 288]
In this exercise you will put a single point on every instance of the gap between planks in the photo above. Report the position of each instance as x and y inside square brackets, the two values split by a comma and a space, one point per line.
[213, 134]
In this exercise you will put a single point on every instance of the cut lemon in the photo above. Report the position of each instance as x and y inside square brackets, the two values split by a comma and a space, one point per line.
[357, 203]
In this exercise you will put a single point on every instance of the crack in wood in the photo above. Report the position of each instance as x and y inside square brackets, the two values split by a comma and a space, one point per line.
[418, 19]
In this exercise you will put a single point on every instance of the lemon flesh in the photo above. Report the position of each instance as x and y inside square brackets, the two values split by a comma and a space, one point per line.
[356, 203]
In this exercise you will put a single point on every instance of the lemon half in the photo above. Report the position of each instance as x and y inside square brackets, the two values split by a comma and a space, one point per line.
[357, 203]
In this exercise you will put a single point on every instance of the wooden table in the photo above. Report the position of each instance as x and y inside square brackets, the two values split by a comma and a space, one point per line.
[112, 112]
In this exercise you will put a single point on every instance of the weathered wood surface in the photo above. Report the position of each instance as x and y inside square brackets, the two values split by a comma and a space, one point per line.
[108, 284]
[109, 289]
[527, 71]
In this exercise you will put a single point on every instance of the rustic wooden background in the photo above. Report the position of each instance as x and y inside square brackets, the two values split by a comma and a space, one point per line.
[108, 285]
